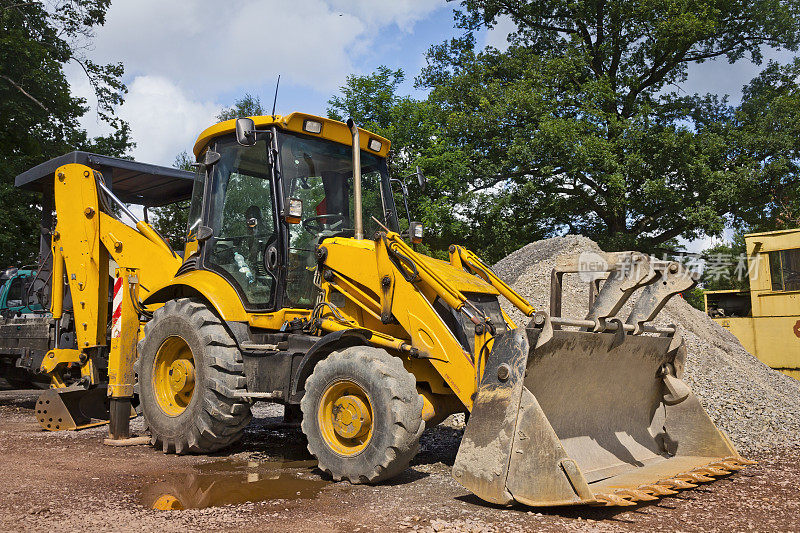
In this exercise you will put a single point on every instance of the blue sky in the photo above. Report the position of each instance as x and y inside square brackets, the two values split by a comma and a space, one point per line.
[185, 61]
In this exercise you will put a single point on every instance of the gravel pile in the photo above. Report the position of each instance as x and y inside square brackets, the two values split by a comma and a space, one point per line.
[757, 407]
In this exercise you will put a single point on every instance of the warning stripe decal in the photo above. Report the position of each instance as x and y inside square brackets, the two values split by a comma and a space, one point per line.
[117, 309]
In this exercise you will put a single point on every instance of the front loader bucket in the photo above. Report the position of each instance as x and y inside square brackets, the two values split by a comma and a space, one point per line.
[74, 408]
[579, 417]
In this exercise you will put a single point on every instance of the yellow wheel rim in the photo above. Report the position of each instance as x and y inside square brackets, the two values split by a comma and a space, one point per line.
[345, 418]
[173, 376]
[167, 502]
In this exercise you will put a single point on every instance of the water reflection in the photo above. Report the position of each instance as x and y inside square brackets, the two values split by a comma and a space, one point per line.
[231, 482]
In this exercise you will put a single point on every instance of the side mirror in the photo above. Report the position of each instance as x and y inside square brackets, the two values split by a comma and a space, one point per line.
[421, 179]
[245, 131]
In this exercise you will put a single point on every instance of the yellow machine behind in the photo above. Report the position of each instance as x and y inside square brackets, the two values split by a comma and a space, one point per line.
[297, 286]
[766, 319]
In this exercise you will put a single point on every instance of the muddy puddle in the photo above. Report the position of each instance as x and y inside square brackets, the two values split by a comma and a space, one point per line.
[231, 482]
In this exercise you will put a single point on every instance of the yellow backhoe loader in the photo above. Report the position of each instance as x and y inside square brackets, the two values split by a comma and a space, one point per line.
[297, 287]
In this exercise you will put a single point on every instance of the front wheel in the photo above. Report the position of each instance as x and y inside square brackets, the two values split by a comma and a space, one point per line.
[190, 372]
[362, 415]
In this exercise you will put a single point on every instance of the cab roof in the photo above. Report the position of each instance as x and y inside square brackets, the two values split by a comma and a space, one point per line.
[133, 182]
[332, 130]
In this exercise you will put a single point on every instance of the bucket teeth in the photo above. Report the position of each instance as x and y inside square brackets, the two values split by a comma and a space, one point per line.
[658, 490]
[695, 477]
[610, 500]
[727, 465]
[676, 483]
[711, 471]
[636, 495]
[741, 461]
[670, 486]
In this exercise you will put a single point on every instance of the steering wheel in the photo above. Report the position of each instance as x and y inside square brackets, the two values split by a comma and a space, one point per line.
[315, 224]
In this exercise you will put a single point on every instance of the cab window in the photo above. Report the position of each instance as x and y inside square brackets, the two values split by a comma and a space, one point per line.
[242, 218]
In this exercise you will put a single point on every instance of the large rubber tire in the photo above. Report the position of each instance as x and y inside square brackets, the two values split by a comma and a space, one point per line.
[396, 414]
[214, 417]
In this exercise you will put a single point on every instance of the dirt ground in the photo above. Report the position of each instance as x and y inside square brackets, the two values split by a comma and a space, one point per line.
[70, 481]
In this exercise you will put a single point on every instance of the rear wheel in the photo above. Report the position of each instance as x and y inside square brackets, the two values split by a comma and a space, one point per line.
[190, 371]
[362, 415]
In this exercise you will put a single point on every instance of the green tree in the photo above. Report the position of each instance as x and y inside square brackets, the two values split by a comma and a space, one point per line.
[246, 106]
[767, 131]
[171, 220]
[581, 125]
[38, 114]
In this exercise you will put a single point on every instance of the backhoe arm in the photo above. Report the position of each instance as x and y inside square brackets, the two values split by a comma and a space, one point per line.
[87, 237]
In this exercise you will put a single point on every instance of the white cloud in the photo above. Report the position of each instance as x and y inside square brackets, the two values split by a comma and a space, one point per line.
[163, 119]
[497, 37]
[182, 58]
[207, 47]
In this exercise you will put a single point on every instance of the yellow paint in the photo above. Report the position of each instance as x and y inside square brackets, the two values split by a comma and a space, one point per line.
[59, 356]
[167, 502]
[173, 376]
[344, 416]
[332, 130]
[772, 331]
[225, 300]
[84, 242]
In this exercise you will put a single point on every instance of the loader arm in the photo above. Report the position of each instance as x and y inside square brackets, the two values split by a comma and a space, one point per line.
[388, 290]
[460, 257]
[558, 416]
[406, 285]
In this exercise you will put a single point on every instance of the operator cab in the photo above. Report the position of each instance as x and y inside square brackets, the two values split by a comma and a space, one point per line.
[260, 210]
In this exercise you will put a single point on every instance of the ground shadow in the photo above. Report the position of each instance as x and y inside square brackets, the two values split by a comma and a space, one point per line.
[584, 512]
[438, 444]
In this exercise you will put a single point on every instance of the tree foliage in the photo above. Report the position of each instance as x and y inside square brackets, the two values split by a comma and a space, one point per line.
[246, 106]
[581, 124]
[171, 220]
[38, 114]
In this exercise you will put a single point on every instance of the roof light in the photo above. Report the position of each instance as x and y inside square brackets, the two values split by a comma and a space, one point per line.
[312, 126]
[375, 145]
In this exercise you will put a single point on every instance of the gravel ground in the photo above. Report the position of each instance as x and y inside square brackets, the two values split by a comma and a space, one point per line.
[758, 408]
[70, 481]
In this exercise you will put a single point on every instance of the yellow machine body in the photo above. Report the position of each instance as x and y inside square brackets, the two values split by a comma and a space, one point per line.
[558, 416]
[563, 411]
[766, 319]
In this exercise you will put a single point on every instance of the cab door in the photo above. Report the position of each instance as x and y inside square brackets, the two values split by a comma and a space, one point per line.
[241, 211]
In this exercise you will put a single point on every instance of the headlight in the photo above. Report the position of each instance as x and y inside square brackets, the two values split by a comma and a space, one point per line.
[375, 145]
[294, 210]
